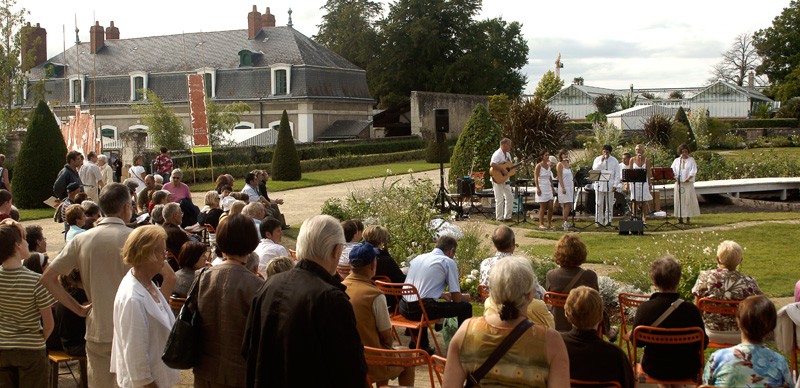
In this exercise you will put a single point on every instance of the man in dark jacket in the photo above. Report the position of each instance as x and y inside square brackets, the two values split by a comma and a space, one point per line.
[68, 174]
[303, 319]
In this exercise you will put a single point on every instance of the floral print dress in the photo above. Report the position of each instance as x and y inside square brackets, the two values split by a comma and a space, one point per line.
[722, 283]
[747, 365]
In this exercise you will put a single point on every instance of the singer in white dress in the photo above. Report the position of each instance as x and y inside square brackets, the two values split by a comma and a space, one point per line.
[640, 192]
[566, 186]
[684, 197]
[544, 189]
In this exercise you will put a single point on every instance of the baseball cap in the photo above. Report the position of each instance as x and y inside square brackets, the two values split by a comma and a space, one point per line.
[74, 186]
[363, 254]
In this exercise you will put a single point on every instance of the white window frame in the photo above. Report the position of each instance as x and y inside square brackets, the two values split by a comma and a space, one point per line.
[133, 76]
[213, 73]
[244, 124]
[276, 126]
[281, 66]
[111, 127]
[71, 80]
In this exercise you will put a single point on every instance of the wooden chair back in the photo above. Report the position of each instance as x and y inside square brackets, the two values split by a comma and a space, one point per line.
[403, 358]
[627, 304]
[663, 336]
[176, 303]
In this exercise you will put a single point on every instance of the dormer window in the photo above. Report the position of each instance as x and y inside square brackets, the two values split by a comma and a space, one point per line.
[138, 86]
[77, 85]
[245, 58]
[281, 79]
[53, 70]
[210, 79]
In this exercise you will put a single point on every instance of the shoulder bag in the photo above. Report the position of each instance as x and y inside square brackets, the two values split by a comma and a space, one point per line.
[185, 338]
[474, 378]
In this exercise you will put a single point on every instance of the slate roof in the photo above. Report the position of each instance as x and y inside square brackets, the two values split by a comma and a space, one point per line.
[345, 129]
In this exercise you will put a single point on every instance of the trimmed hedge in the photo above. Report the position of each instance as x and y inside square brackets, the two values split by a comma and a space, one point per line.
[285, 159]
[763, 123]
[322, 164]
[578, 126]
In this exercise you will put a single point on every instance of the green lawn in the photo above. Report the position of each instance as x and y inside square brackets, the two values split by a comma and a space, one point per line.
[782, 152]
[35, 214]
[319, 178]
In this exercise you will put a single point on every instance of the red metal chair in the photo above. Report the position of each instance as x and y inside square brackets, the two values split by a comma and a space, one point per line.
[403, 358]
[721, 307]
[661, 336]
[399, 290]
[627, 303]
[439, 363]
[483, 291]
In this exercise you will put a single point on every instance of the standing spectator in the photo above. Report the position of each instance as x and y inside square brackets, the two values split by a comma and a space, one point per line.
[23, 302]
[5, 183]
[105, 170]
[193, 256]
[430, 273]
[137, 172]
[301, 309]
[91, 176]
[68, 174]
[223, 302]
[5, 204]
[117, 164]
[275, 211]
[504, 199]
[163, 163]
[144, 196]
[142, 318]
[270, 246]
[97, 255]
[92, 212]
[73, 189]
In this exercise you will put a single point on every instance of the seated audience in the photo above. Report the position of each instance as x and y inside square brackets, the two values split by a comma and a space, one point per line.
[726, 283]
[273, 209]
[76, 219]
[750, 363]
[210, 214]
[590, 357]
[256, 212]
[160, 197]
[372, 318]
[353, 232]
[157, 215]
[270, 246]
[70, 328]
[235, 207]
[191, 258]
[176, 236]
[223, 181]
[92, 212]
[5, 204]
[538, 358]
[669, 362]
[182, 196]
[378, 236]
[504, 242]
[37, 246]
[144, 196]
[278, 265]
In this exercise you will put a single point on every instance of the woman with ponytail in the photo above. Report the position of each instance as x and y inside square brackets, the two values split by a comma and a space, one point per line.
[537, 358]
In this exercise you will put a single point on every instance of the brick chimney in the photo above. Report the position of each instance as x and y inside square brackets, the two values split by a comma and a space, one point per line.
[254, 23]
[750, 80]
[268, 19]
[34, 46]
[112, 32]
[97, 36]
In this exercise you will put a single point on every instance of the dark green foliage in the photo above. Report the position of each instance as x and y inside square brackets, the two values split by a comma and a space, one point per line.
[348, 29]
[163, 125]
[437, 151]
[532, 127]
[762, 123]
[499, 104]
[648, 95]
[606, 103]
[676, 94]
[41, 157]
[680, 117]
[478, 140]
[679, 134]
[657, 129]
[779, 45]
[791, 109]
[285, 160]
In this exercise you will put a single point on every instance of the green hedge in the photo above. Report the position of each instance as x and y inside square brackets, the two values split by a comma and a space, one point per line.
[578, 126]
[763, 123]
[336, 162]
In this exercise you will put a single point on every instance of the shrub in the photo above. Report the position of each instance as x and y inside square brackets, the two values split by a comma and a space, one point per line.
[499, 106]
[791, 109]
[728, 141]
[699, 124]
[679, 134]
[763, 123]
[680, 117]
[41, 157]
[285, 160]
[534, 127]
[476, 143]
[657, 129]
[437, 151]
[606, 134]
[606, 103]
[163, 125]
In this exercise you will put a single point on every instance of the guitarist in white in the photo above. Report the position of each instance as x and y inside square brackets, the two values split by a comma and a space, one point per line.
[503, 197]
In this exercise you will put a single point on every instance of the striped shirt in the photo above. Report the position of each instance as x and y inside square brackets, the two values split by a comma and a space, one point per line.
[21, 298]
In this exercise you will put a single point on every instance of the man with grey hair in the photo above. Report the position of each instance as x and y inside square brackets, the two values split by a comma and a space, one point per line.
[97, 254]
[256, 211]
[505, 242]
[503, 198]
[105, 170]
[144, 196]
[301, 309]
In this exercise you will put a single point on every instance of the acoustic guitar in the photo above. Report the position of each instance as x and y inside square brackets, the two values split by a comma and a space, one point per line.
[510, 168]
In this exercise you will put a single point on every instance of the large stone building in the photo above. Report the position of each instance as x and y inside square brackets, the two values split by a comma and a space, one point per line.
[271, 68]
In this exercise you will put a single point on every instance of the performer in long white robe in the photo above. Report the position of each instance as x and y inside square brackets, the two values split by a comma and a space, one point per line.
[685, 197]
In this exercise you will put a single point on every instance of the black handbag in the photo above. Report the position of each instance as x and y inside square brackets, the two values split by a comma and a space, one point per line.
[185, 339]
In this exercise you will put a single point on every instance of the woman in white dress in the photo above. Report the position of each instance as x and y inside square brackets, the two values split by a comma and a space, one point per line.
[544, 189]
[685, 198]
[640, 192]
[566, 186]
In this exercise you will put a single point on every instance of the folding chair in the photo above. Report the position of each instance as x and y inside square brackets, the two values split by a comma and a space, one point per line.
[403, 358]
[583, 383]
[795, 350]
[176, 304]
[555, 299]
[628, 302]
[483, 291]
[382, 278]
[398, 290]
[439, 363]
[56, 357]
[661, 336]
[720, 307]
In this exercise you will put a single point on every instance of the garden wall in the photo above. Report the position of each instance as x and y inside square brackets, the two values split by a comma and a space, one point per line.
[460, 106]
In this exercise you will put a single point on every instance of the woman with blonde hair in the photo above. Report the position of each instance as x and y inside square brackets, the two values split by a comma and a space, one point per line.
[566, 186]
[538, 358]
[142, 316]
[544, 189]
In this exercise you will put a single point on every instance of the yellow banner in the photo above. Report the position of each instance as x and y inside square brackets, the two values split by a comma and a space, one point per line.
[201, 150]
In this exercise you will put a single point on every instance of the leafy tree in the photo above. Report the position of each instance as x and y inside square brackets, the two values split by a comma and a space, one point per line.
[221, 120]
[790, 87]
[41, 157]
[779, 45]
[648, 95]
[285, 159]
[533, 126]
[657, 129]
[791, 109]
[577, 80]
[548, 86]
[348, 29]
[163, 124]
[628, 101]
[676, 95]
[476, 143]
[680, 117]
[499, 104]
[606, 103]
[740, 59]
[12, 78]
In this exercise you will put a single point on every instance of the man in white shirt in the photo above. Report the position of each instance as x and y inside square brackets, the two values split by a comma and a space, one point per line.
[251, 188]
[270, 246]
[91, 177]
[503, 197]
[604, 189]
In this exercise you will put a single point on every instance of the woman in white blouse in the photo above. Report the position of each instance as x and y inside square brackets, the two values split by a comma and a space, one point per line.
[685, 198]
[142, 316]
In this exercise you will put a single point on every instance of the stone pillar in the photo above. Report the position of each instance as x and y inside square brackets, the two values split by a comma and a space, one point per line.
[13, 145]
[133, 143]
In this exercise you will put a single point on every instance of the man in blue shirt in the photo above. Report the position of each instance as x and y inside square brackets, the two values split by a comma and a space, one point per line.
[430, 273]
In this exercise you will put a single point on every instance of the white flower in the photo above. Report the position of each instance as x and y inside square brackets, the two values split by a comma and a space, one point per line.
[388, 171]
[474, 272]
[468, 280]
[410, 170]
[707, 251]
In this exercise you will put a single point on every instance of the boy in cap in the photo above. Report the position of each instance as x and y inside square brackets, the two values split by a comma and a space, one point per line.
[73, 189]
[372, 315]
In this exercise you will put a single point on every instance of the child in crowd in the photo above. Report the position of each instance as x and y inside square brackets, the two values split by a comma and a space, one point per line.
[76, 219]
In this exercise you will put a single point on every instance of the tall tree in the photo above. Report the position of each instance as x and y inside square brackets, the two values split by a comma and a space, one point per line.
[12, 78]
[738, 61]
[605, 103]
[348, 29]
[222, 119]
[779, 45]
[164, 126]
[548, 86]
[41, 156]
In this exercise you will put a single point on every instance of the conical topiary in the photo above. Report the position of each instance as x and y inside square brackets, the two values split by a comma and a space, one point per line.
[476, 144]
[437, 150]
[41, 157]
[680, 117]
[285, 159]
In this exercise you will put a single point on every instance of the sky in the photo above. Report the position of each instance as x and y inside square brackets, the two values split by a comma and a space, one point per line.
[611, 44]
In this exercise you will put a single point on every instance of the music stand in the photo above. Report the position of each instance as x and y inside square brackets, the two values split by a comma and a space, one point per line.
[635, 176]
[601, 176]
[663, 175]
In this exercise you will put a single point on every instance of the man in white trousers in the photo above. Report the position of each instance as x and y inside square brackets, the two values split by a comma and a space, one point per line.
[604, 188]
[503, 197]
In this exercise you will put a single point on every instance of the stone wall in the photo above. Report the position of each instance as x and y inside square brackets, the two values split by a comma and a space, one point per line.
[459, 105]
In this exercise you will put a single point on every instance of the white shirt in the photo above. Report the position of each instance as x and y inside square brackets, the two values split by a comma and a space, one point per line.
[431, 273]
[612, 165]
[251, 192]
[136, 173]
[108, 174]
[486, 266]
[344, 259]
[684, 168]
[500, 157]
[90, 174]
[266, 251]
